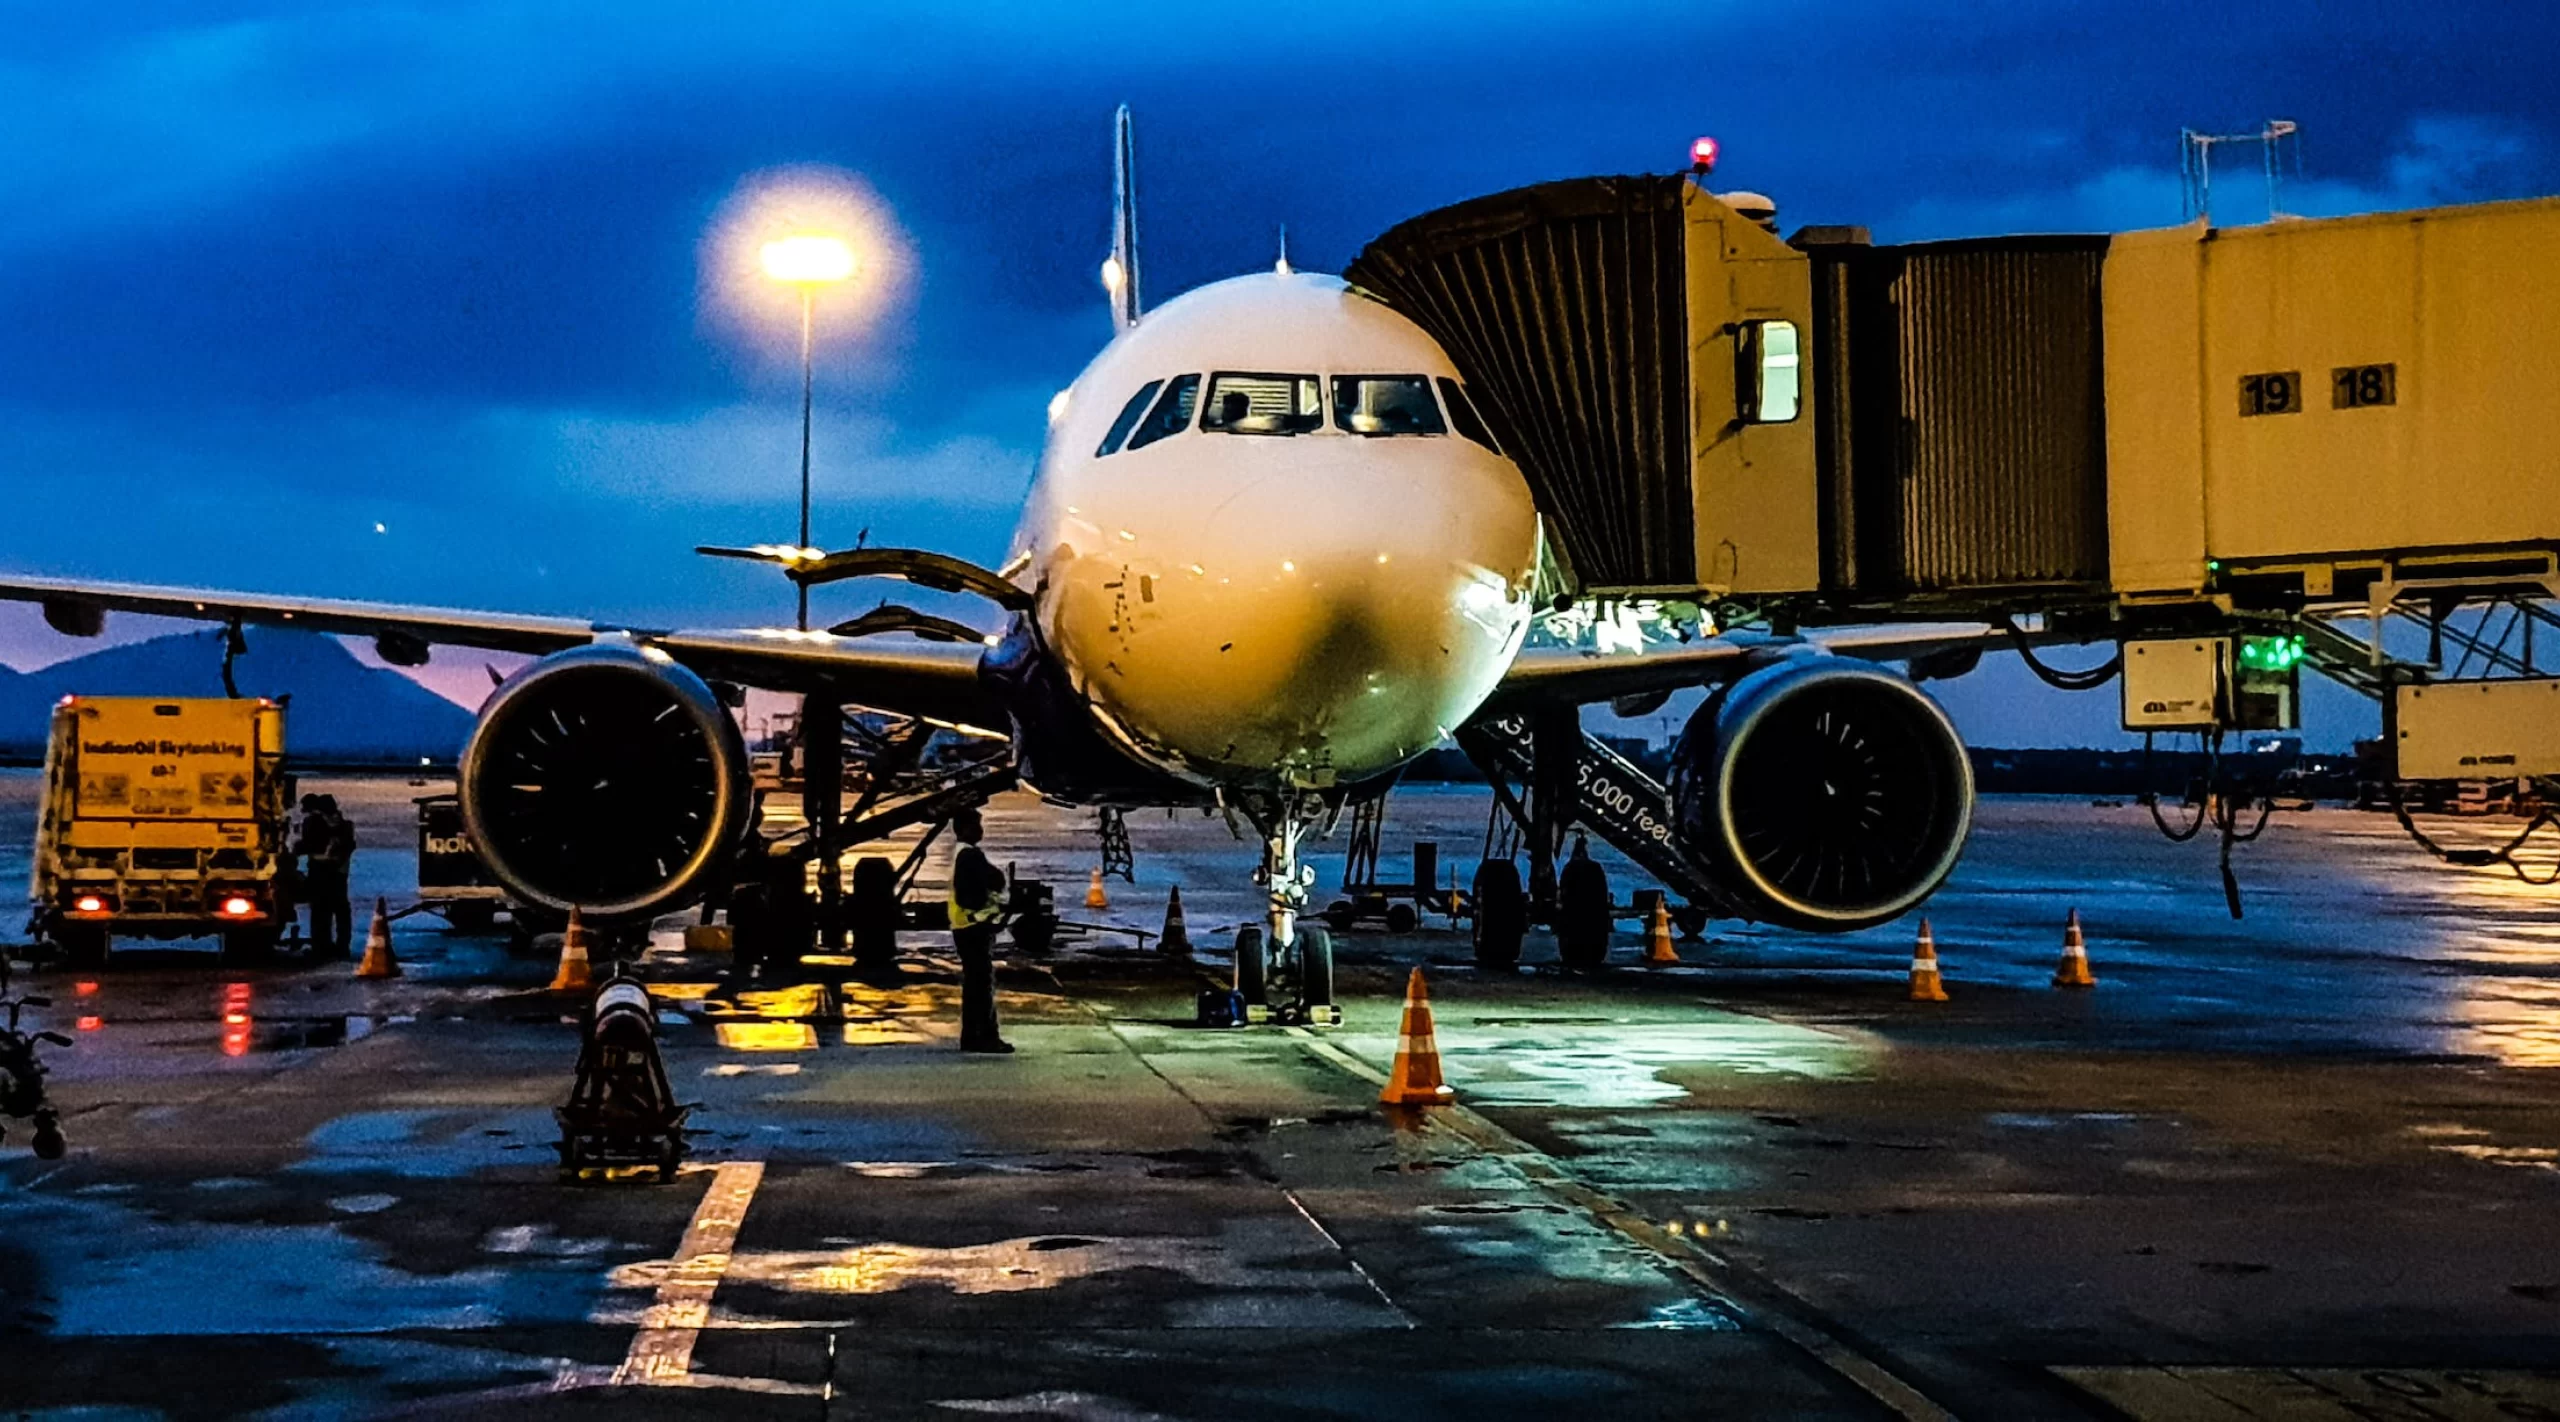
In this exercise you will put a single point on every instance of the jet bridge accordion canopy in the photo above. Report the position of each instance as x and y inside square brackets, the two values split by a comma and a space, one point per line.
[1565, 307]
[1947, 435]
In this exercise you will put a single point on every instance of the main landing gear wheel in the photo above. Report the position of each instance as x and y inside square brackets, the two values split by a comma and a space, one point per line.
[1583, 920]
[1253, 967]
[1502, 915]
[876, 916]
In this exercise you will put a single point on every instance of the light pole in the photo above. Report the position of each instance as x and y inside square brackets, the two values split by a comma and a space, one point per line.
[808, 261]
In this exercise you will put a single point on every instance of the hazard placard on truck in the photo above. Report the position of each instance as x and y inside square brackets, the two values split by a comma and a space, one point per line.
[142, 759]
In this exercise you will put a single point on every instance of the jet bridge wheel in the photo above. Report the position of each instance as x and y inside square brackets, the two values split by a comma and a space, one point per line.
[1502, 915]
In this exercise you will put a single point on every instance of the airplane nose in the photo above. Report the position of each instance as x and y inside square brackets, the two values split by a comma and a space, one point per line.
[1347, 642]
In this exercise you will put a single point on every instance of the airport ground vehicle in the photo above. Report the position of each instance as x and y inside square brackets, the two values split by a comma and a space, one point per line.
[162, 818]
[452, 882]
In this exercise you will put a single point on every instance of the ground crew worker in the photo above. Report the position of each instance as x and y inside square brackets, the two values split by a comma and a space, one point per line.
[328, 843]
[977, 904]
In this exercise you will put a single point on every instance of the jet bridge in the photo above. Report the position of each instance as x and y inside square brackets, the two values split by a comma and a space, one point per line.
[2304, 429]
[2234, 452]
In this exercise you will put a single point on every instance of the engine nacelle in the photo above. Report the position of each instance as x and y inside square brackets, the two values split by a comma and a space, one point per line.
[1823, 793]
[605, 778]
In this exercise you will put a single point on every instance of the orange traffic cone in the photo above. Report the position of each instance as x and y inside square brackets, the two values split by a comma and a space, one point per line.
[576, 974]
[1925, 986]
[1176, 937]
[1094, 897]
[378, 962]
[1415, 1081]
[2074, 972]
[1657, 940]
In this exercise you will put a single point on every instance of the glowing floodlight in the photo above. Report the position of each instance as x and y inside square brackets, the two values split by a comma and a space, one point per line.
[809, 259]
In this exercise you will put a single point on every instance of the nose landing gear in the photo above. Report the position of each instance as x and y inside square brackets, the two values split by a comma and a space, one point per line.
[1284, 968]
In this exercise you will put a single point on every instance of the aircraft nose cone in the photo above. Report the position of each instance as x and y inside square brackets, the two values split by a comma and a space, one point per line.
[1348, 646]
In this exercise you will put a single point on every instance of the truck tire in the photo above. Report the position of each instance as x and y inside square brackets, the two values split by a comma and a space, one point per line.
[84, 945]
[471, 915]
[249, 946]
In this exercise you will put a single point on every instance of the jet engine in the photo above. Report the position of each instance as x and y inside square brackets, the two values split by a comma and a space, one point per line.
[605, 778]
[1823, 793]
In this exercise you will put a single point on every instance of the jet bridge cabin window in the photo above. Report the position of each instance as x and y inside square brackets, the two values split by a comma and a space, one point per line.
[1172, 414]
[1386, 405]
[1259, 403]
[1768, 373]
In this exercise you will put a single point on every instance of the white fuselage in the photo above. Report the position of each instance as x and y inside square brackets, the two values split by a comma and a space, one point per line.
[1266, 609]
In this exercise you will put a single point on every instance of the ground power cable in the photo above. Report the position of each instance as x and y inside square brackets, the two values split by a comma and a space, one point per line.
[2060, 679]
[2504, 854]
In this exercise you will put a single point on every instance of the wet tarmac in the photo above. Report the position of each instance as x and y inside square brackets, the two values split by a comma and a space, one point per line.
[2304, 1165]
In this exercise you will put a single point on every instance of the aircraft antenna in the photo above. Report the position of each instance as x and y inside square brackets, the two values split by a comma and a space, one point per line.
[1282, 266]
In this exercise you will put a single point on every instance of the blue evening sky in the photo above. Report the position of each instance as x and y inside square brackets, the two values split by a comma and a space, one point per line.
[275, 274]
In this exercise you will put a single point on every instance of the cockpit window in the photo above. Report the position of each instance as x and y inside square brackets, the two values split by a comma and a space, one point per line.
[1128, 420]
[1263, 404]
[1172, 414]
[1386, 405]
[1463, 414]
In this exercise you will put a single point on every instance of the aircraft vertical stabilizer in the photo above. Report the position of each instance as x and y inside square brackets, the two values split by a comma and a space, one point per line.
[1120, 274]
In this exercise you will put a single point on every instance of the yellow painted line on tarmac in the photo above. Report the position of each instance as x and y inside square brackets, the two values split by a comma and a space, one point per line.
[662, 1352]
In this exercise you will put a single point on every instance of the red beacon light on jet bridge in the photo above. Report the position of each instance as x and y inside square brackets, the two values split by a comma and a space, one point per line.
[1702, 155]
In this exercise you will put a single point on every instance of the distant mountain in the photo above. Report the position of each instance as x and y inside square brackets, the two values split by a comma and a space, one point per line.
[342, 710]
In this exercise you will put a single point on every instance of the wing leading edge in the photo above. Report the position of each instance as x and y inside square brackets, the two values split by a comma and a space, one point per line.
[938, 681]
[1574, 677]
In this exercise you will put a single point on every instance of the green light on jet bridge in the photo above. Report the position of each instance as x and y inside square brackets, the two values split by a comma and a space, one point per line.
[2270, 654]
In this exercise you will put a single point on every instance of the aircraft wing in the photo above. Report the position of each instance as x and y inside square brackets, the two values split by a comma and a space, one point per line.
[934, 680]
[1577, 677]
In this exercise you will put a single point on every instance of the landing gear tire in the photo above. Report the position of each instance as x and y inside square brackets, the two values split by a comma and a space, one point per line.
[876, 914]
[1315, 966]
[1402, 919]
[1502, 915]
[1253, 967]
[1583, 923]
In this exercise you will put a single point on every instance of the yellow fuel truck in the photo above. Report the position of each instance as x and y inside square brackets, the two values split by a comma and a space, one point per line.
[162, 818]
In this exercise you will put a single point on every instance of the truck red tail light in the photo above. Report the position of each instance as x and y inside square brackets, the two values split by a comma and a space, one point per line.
[239, 906]
[92, 904]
